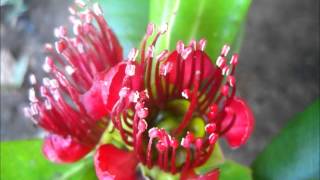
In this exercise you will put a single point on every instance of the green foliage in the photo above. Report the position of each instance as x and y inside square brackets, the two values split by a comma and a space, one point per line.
[294, 153]
[231, 170]
[218, 21]
[128, 20]
[24, 159]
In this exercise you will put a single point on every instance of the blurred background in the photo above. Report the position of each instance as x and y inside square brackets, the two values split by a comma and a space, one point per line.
[278, 73]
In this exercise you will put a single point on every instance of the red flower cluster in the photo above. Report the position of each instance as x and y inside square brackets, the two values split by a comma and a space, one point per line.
[170, 109]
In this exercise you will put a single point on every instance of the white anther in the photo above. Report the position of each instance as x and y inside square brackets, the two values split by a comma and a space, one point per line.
[97, 9]
[80, 3]
[76, 27]
[165, 68]
[225, 50]
[32, 95]
[124, 92]
[72, 10]
[47, 104]
[46, 81]
[150, 52]
[27, 112]
[186, 52]
[164, 28]
[180, 47]
[202, 44]
[133, 54]
[55, 93]
[134, 96]
[220, 61]
[185, 95]
[150, 29]
[34, 109]
[54, 84]
[162, 55]
[70, 70]
[32, 79]
[225, 71]
[130, 70]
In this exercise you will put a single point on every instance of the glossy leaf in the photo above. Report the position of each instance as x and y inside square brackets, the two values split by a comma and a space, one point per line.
[231, 170]
[218, 21]
[128, 20]
[294, 153]
[24, 159]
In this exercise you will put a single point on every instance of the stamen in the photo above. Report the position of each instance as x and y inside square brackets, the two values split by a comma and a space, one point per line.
[70, 70]
[193, 44]
[32, 79]
[186, 93]
[47, 65]
[162, 55]
[234, 59]
[142, 126]
[150, 52]
[186, 52]
[60, 46]
[133, 54]
[150, 29]
[47, 104]
[225, 50]
[213, 138]
[80, 3]
[202, 44]
[210, 128]
[130, 70]
[124, 92]
[220, 61]
[164, 28]
[142, 113]
[231, 80]
[32, 95]
[165, 68]
[225, 90]
[97, 9]
[180, 47]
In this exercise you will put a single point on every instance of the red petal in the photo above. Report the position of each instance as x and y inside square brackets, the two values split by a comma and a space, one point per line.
[242, 128]
[113, 163]
[198, 57]
[63, 150]
[104, 93]
[92, 101]
[191, 175]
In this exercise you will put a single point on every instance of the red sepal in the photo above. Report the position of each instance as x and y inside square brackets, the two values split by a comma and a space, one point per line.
[112, 163]
[243, 124]
[60, 149]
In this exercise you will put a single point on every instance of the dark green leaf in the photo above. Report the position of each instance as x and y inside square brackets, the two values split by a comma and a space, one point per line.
[24, 159]
[294, 154]
[231, 170]
[128, 20]
[218, 21]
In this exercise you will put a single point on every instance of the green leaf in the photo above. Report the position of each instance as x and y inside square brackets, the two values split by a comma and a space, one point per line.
[128, 20]
[231, 170]
[24, 159]
[218, 21]
[294, 153]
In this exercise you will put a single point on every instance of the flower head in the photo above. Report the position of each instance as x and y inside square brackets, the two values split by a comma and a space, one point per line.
[73, 65]
[184, 104]
[170, 109]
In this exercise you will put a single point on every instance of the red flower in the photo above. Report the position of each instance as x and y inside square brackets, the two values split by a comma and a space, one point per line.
[169, 109]
[141, 110]
[75, 66]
